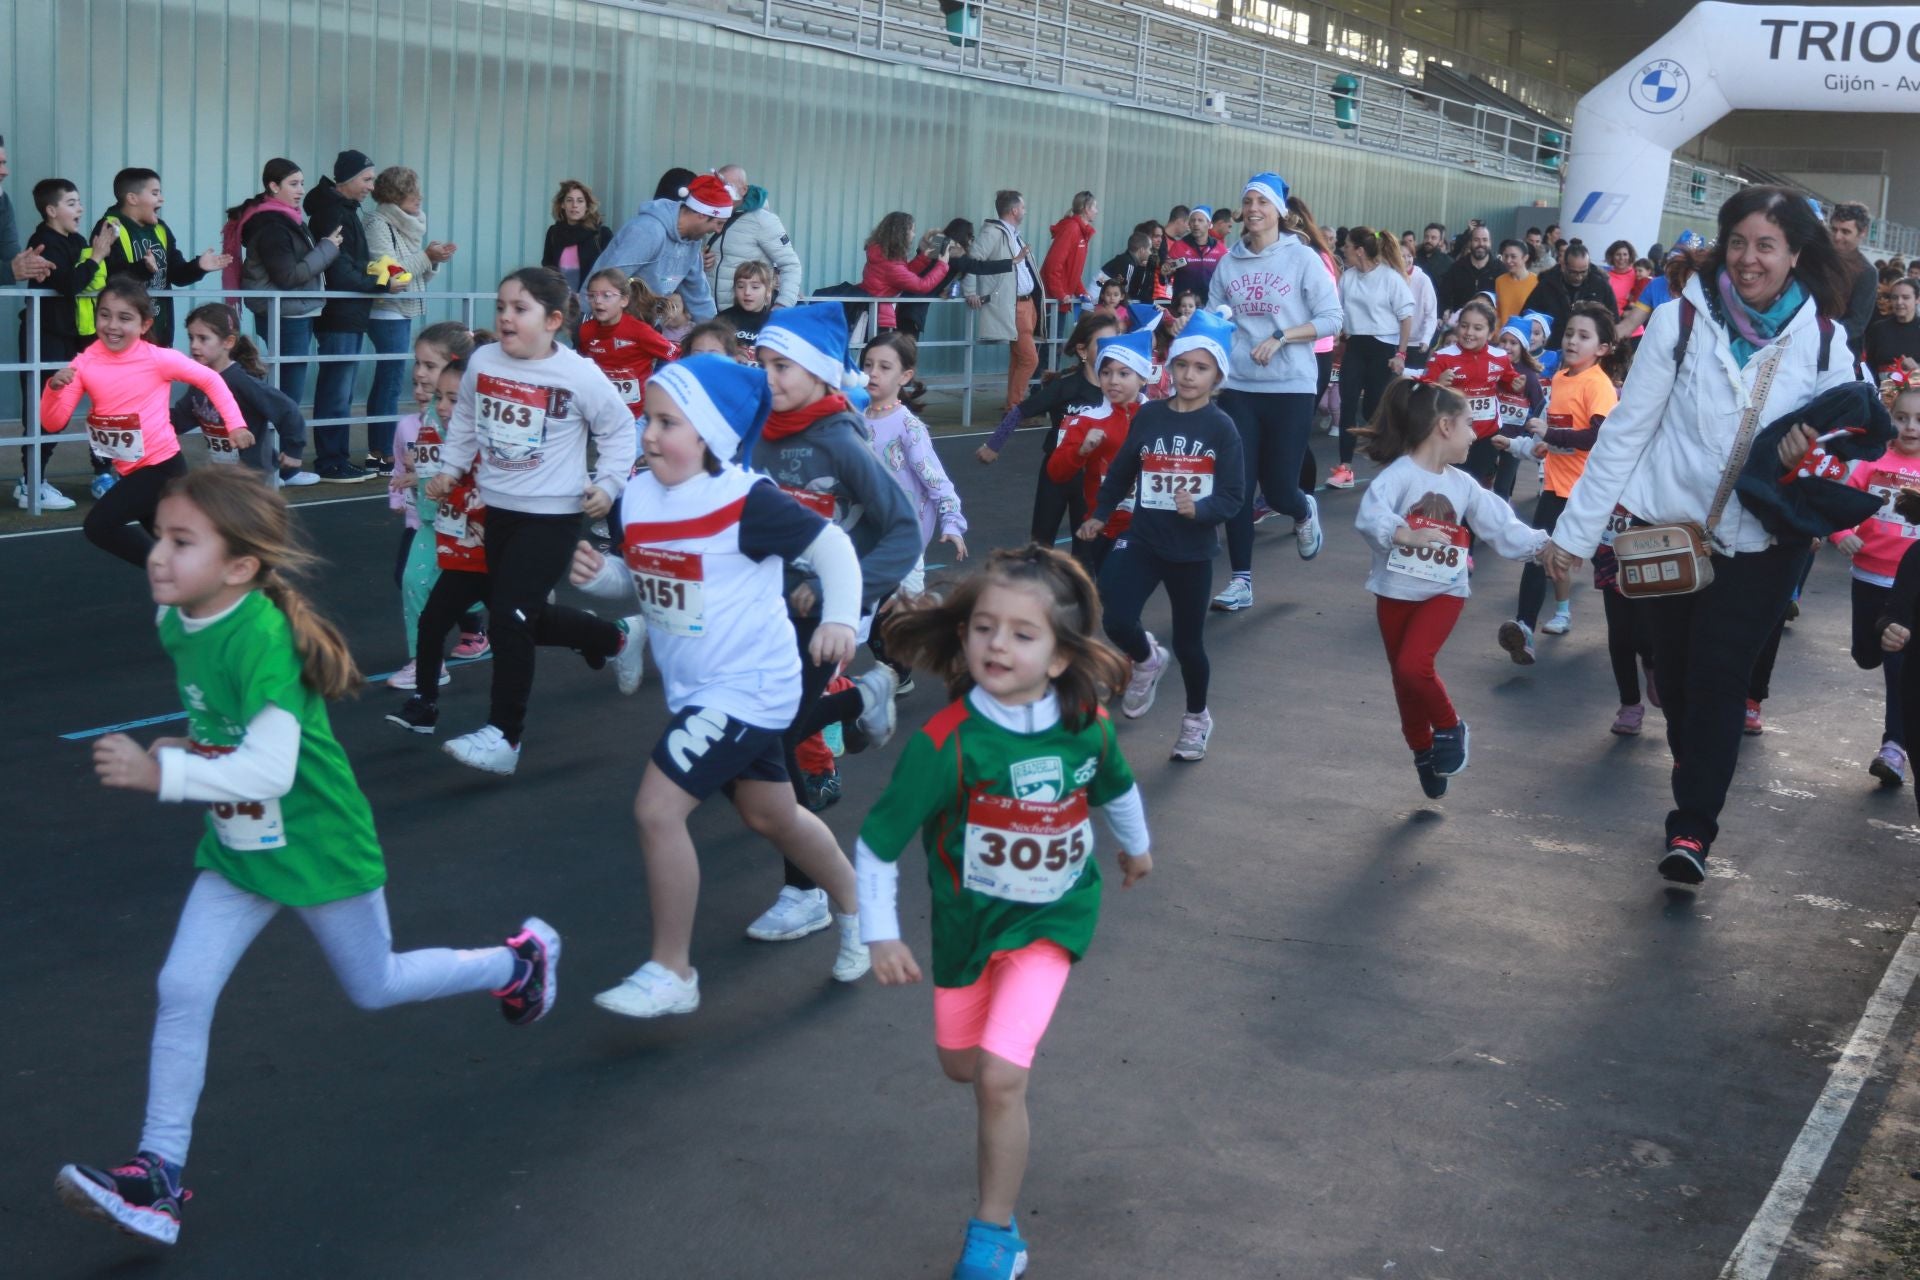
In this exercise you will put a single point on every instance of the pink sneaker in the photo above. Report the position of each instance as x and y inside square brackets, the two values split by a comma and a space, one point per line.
[1627, 721]
[473, 644]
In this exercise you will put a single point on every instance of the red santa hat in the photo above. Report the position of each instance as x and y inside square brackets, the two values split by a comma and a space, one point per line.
[708, 195]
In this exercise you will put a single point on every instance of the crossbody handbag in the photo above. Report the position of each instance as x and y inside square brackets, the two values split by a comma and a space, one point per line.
[1677, 559]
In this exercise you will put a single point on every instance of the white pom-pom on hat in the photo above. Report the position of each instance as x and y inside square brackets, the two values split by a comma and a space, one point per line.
[683, 193]
[854, 378]
[1224, 311]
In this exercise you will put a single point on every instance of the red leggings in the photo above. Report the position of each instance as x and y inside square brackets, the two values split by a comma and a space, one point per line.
[1414, 631]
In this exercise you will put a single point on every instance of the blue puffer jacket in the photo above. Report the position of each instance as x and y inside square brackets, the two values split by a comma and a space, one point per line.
[649, 246]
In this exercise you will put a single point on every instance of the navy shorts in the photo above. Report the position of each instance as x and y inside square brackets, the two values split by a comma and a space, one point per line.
[704, 751]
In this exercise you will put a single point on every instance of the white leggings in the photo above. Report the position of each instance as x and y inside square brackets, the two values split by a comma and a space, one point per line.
[219, 923]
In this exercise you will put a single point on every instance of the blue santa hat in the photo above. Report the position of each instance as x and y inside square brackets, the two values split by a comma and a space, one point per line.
[1520, 329]
[814, 337]
[1686, 242]
[1142, 317]
[1208, 331]
[1134, 350]
[1544, 323]
[727, 402]
[1271, 185]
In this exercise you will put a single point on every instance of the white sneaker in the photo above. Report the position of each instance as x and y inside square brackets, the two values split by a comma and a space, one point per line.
[486, 748]
[51, 499]
[877, 688]
[299, 479]
[1237, 596]
[631, 662]
[1308, 530]
[1558, 625]
[1196, 730]
[851, 962]
[652, 991]
[1138, 699]
[407, 678]
[794, 914]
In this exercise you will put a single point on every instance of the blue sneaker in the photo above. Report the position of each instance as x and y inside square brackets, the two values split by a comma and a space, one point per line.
[991, 1253]
[103, 482]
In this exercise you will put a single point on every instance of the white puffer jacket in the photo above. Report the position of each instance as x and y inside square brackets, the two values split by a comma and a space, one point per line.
[1662, 451]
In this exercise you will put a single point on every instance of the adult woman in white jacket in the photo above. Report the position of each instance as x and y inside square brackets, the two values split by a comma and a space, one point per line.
[396, 228]
[1378, 303]
[1774, 279]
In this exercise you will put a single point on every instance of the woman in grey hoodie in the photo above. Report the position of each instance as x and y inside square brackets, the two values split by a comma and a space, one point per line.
[1282, 302]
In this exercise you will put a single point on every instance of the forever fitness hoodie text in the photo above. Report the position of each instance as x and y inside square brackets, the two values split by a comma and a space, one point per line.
[650, 246]
[1271, 290]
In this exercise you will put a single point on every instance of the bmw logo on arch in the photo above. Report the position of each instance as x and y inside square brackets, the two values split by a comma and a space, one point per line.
[1660, 86]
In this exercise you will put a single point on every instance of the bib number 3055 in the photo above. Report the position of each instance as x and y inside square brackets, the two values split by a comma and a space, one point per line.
[249, 826]
[1029, 851]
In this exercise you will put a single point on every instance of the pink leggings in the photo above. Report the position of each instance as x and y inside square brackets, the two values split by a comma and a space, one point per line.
[1006, 1010]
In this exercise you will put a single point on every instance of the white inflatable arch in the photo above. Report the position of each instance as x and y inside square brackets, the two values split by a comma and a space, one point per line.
[1722, 58]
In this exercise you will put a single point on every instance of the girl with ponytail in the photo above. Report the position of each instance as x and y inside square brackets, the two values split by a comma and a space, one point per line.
[287, 826]
[214, 340]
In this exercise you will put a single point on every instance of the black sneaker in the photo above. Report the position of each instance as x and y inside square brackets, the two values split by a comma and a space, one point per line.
[1450, 750]
[418, 715]
[536, 979]
[142, 1197]
[823, 790]
[905, 686]
[1686, 861]
[377, 465]
[1431, 783]
[343, 473]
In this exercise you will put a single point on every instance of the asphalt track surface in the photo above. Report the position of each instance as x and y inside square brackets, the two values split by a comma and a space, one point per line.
[1340, 1032]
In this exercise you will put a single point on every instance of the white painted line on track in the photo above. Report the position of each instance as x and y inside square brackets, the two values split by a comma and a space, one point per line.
[1759, 1248]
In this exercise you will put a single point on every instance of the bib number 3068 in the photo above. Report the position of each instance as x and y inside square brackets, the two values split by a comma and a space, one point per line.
[248, 826]
[1028, 851]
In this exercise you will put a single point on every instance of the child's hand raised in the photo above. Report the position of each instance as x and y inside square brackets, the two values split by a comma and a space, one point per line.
[61, 380]
[893, 963]
[124, 764]
[1093, 441]
[587, 563]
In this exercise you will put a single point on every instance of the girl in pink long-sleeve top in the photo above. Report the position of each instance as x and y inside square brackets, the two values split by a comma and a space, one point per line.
[889, 274]
[130, 381]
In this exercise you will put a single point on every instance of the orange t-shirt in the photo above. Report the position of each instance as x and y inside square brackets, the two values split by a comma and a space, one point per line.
[1576, 400]
[1512, 296]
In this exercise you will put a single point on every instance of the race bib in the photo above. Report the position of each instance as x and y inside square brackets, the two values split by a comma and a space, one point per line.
[512, 415]
[1165, 476]
[221, 449]
[1029, 851]
[248, 826]
[426, 458]
[672, 587]
[1886, 486]
[629, 389]
[818, 501]
[116, 436]
[1443, 565]
[1483, 408]
[449, 523]
[1618, 522]
[1513, 413]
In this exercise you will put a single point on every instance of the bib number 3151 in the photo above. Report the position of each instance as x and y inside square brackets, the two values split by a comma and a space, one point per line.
[1029, 851]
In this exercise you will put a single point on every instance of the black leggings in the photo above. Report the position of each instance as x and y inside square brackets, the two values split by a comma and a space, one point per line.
[1129, 576]
[110, 526]
[1274, 426]
[818, 709]
[1364, 374]
[1495, 469]
[1628, 644]
[1533, 579]
[526, 555]
[1052, 501]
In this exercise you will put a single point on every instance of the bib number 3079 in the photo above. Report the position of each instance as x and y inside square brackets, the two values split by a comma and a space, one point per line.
[116, 436]
[248, 826]
[1029, 851]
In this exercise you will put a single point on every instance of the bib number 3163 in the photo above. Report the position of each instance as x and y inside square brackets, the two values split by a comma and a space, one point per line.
[248, 826]
[1029, 851]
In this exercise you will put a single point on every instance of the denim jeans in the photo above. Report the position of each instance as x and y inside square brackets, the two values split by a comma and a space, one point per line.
[295, 339]
[333, 398]
[391, 336]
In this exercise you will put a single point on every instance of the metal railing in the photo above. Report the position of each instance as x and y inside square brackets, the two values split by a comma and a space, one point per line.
[950, 339]
[1151, 57]
[1698, 191]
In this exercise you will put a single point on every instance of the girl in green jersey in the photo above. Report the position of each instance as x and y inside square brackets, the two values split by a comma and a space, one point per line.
[287, 825]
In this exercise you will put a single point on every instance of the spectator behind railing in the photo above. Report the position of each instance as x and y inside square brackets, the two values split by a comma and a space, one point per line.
[396, 228]
[27, 268]
[65, 320]
[753, 234]
[889, 273]
[280, 252]
[577, 237]
[146, 249]
[1009, 304]
[661, 243]
[1194, 255]
[341, 328]
[1064, 273]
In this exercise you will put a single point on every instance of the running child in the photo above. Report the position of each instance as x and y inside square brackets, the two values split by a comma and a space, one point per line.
[1000, 786]
[1059, 396]
[1181, 466]
[1876, 549]
[287, 826]
[1090, 441]
[704, 544]
[416, 452]
[129, 424]
[1471, 366]
[216, 342]
[1583, 394]
[439, 345]
[891, 363]
[615, 337]
[521, 422]
[1415, 516]
[819, 450]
